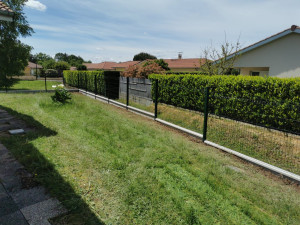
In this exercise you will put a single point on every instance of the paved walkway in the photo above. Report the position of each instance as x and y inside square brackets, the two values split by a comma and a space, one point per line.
[22, 200]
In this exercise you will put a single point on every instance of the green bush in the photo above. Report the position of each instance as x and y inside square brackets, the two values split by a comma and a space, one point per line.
[81, 67]
[107, 82]
[86, 80]
[50, 73]
[271, 102]
[61, 95]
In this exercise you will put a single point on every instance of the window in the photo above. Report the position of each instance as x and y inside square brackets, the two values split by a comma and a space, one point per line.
[254, 73]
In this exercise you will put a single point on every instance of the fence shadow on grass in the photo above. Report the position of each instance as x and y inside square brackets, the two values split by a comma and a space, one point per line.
[35, 162]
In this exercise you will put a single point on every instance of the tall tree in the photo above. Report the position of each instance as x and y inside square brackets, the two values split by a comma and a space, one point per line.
[220, 61]
[14, 54]
[40, 58]
[143, 56]
[73, 60]
[61, 57]
[61, 66]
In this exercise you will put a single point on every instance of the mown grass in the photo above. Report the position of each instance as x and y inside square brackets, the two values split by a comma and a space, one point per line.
[275, 147]
[32, 85]
[126, 169]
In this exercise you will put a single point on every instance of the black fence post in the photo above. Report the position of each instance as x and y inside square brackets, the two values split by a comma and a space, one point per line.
[156, 98]
[78, 80]
[86, 86]
[127, 92]
[36, 72]
[95, 82]
[206, 102]
[106, 90]
[64, 81]
[46, 83]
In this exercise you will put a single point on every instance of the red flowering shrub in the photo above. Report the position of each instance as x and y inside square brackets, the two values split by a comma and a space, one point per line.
[143, 71]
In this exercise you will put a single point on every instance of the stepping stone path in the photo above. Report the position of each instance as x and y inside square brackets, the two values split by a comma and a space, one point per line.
[22, 200]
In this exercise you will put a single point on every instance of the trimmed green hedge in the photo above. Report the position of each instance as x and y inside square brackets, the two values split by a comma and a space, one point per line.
[107, 82]
[271, 102]
[86, 80]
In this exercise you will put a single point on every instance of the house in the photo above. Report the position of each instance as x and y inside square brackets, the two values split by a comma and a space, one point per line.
[185, 65]
[275, 56]
[111, 66]
[100, 66]
[6, 14]
[176, 65]
[32, 69]
[124, 65]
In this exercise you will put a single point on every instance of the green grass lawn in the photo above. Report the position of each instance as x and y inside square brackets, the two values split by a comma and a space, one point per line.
[274, 147]
[112, 166]
[32, 85]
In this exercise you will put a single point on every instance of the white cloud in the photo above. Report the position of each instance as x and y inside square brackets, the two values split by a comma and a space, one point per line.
[116, 29]
[46, 28]
[34, 4]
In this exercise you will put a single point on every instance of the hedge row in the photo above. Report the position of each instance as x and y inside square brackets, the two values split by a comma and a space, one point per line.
[86, 80]
[271, 102]
[104, 83]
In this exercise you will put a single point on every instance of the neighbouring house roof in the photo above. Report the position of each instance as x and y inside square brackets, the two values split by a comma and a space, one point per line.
[292, 29]
[34, 66]
[193, 63]
[126, 64]
[5, 12]
[100, 66]
[109, 65]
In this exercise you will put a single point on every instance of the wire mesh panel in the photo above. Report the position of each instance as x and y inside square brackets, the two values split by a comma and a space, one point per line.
[266, 143]
[182, 106]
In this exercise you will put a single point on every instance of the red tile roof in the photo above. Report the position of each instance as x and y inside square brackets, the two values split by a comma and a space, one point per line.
[33, 65]
[185, 63]
[126, 64]
[193, 63]
[5, 9]
[109, 65]
[100, 66]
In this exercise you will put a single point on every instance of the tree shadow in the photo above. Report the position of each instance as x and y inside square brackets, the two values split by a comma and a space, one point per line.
[36, 163]
[7, 83]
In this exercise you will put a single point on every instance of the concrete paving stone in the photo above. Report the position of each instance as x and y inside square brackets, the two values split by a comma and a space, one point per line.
[3, 153]
[5, 127]
[29, 197]
[7, 158]
[2, 191]
[16, 132]
[3, 148]
[9, 167]
[42, 211]
[3, 120]
[7, 206]
[15, 218]
[11, 183]
[17, 123]
[4, 115]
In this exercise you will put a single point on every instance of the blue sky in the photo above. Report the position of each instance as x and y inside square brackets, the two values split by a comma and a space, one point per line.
[116, 30]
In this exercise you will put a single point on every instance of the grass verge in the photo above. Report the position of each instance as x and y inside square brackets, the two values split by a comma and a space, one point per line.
[108, 165]
[32, 85]
[271, 146]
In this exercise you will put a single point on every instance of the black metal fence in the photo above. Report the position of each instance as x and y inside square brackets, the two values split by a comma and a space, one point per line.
[277, 147]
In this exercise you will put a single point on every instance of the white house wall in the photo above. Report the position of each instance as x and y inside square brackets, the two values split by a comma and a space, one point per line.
[282, 56]
[6, 18]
